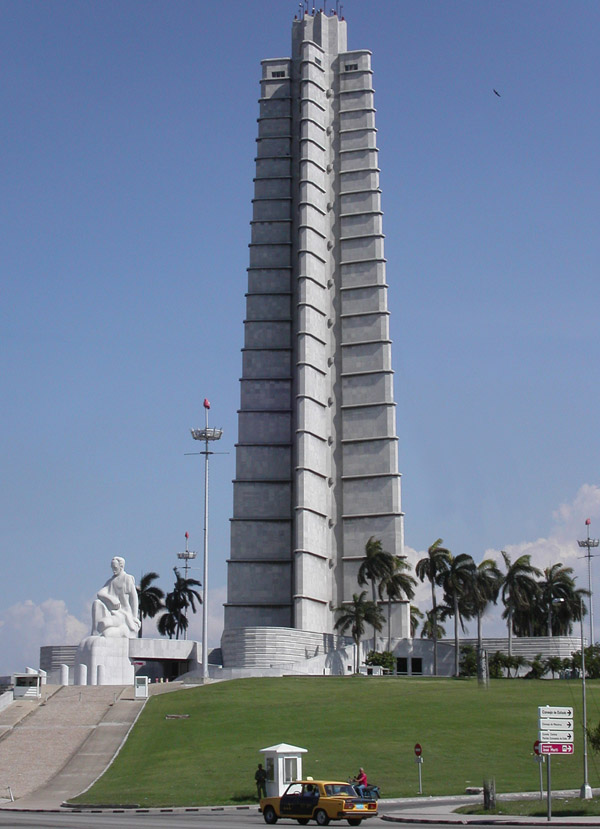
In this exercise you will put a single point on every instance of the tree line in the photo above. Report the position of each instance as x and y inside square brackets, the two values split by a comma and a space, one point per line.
[536, 602]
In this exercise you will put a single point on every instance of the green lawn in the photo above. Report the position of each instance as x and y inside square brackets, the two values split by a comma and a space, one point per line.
[467, 733]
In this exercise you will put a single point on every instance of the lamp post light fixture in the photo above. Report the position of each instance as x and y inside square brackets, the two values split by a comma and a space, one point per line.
[207, 435]
[187, 556]
[588, 543]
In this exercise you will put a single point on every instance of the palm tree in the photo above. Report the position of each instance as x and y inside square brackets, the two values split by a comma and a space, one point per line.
[560, 599]
[173, 619]
[150, 598]
[553, 664]
[430, 629]
[487, 580]
[519, 589]
[183, 595]
[456, 582]
[377, 565]
[416, 616]
[355, 615]
[395, 585]
[516, 662]
[431, 568]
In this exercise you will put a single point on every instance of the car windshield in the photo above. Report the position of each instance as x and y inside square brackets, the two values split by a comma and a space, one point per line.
[333, 789]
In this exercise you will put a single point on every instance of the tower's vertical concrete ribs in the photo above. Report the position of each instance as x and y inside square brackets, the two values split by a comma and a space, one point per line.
[317, 457]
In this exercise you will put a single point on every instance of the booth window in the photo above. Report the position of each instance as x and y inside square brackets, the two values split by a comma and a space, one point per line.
[270, 768]
[290, 769]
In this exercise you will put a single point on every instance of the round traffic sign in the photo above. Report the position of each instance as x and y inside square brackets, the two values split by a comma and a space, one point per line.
[536, 747]
[418, 749]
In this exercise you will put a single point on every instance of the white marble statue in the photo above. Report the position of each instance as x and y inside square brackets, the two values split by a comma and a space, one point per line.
[115, 610]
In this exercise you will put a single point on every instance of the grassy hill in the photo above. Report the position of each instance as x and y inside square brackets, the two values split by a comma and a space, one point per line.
[466, 733]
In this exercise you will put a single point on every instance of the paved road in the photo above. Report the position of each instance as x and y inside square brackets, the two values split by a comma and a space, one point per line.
[204, 820]
[434, 815]
[154, 820]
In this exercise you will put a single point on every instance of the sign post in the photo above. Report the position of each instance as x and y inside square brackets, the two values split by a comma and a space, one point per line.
[555, 736]
[419, 762]
[540, 759]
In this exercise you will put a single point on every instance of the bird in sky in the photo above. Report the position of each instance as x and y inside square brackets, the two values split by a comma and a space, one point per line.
[497, 93]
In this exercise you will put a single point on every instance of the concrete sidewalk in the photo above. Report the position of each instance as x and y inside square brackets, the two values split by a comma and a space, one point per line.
[440, 810]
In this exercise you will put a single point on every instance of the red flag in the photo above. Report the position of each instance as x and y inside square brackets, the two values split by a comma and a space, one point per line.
[206, 403]
[588, 521]
[187, 535]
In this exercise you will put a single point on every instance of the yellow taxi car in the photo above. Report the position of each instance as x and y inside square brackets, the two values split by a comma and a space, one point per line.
[319, 800]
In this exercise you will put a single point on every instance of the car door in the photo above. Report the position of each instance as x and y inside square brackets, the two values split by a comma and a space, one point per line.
[308, 799]
[290, 801]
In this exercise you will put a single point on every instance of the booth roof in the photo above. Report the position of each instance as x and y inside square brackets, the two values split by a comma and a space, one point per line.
[284, 748]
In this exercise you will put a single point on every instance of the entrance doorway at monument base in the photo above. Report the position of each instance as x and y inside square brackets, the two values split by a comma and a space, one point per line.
[412, 666]
[167, 670]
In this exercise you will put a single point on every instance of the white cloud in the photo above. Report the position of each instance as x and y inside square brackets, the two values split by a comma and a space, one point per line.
[25, 627]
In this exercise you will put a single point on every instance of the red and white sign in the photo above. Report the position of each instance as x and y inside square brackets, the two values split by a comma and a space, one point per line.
[418, 749]
[557, 748]
[536, 748]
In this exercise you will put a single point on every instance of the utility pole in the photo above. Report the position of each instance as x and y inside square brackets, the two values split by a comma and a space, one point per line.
[207, 435]
[187, 556]
[585, 793]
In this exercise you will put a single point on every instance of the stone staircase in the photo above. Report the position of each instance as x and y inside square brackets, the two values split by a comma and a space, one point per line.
[38, 737]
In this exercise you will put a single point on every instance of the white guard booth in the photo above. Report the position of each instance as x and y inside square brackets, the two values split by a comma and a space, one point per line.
[283, 764]
[141, 687]
[27, 685]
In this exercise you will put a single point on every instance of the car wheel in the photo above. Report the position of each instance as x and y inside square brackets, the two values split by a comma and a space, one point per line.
[321, 817]
[269, 815]
[354, 821]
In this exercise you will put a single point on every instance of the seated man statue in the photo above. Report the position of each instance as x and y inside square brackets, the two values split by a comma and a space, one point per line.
[115, 611]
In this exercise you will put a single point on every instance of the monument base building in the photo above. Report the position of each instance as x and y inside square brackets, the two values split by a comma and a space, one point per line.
[317, 452]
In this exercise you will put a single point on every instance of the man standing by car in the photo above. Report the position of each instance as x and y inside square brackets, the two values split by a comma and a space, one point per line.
[260, 776]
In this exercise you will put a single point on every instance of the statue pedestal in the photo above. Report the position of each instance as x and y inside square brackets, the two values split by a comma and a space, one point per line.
[106, 661]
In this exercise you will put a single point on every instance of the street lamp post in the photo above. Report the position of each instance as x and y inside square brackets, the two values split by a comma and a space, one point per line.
[207, 435]
[585, 793]
[588, 543]
[187, 556]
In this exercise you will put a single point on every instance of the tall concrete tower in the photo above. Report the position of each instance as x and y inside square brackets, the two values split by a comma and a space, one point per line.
[317, 453]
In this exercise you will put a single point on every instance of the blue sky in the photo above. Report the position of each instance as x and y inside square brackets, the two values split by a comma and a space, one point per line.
[128, 142]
